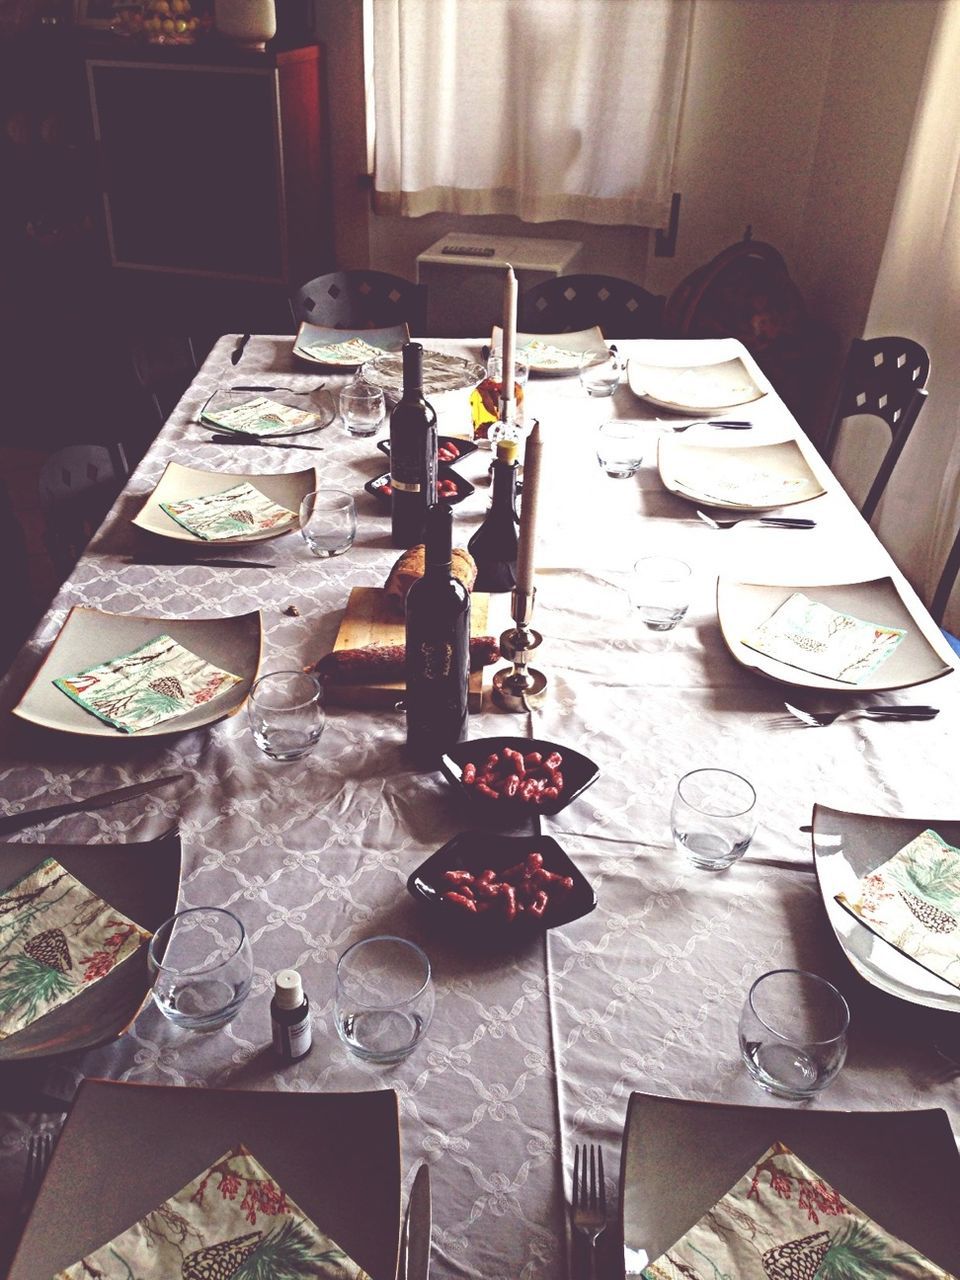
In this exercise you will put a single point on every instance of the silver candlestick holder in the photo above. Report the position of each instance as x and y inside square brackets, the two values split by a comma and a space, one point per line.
[521, 686]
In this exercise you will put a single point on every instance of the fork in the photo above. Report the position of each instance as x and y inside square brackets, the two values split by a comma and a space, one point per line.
[879, 711]
[767, 522]
[293, 390]
[731, 424]
[589, 1207]
[39, 1151]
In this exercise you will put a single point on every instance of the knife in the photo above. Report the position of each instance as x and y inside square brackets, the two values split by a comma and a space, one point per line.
[237, 351]
[210, 563]
[237, 437]
[418, 1226]
[103, 800]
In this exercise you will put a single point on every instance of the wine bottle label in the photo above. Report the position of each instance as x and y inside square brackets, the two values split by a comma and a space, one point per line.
[405, 486]
[436, 660]
[300, 1037]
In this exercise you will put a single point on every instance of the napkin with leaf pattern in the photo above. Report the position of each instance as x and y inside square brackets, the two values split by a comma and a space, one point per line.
[236, 512]
[232, 1222]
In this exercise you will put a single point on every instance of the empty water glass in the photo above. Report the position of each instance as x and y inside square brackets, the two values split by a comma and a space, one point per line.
[660, 591]
[286, 714]
[203, 966]
[328, 522]
[713, 818]
[600, 372]
[620, 448]
[793, 1033]
[384, 999]
[362, 408]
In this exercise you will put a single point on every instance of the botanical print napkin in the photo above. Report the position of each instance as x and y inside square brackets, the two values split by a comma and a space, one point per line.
[813, 637]
[231, 1223]
[159, 680]
[913, 901]
[783, 1222]
[56, 940]
[702, 387]
[350, 351]
[545, 355]
[230, 513]
[260, 417]
[749, 485]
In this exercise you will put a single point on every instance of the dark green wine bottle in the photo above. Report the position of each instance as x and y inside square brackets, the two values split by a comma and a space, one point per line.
[413, 454]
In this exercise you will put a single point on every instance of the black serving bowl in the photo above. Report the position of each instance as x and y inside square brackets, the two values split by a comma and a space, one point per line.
[578, 773]
[477, 851]
[464, 447]
[464, 487]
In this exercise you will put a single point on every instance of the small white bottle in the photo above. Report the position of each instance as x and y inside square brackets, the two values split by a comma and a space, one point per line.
[290, 1017]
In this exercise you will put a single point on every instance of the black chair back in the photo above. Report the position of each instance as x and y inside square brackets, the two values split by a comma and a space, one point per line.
[361, 300]
[565, 304]
[77, 487]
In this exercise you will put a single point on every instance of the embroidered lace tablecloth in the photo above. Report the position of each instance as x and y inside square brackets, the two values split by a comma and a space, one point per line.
[530, 1052]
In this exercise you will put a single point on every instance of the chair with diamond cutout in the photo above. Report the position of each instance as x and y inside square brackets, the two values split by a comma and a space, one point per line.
[883, 378]
[566, 304]
[941, 597]
[361, 300]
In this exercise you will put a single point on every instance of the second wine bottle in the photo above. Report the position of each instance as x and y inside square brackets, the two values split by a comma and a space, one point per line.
[413, 454]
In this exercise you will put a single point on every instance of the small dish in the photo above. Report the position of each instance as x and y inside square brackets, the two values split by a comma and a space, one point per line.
[477, 851]
[287, 489]
[441, 372]
[377, 486]
[142, 881]
[89, 636]
[578, 771]
[704, 388]
[341, 349]
[736, 477]
[463, 446]
[847, 846]
[555, 355]
[742, 606]
[319, 404]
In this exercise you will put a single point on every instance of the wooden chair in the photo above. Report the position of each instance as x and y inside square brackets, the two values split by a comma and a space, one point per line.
[941, 597]
[883, 378]
[77, 487]
[361, 300]
[565, 304]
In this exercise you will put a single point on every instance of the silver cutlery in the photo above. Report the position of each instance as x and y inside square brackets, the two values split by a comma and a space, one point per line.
[237, 351]
[729, 424]
[417, 1229]
[879, 711]
[239, 437]
[210, 563]
[39, 1151]
[589, 1207]
[293, 390]
[103, 800]
[766, 522]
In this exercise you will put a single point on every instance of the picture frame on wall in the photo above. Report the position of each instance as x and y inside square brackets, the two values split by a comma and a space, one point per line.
[94, 13]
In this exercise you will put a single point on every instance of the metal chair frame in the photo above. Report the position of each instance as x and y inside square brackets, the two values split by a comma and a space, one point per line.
[361, 299]
[565, 304]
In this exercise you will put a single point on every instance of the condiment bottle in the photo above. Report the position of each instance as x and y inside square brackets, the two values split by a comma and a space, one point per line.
[290, 1017]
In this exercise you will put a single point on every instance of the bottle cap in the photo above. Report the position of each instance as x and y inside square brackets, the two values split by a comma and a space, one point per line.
[288, 989]
[507, 451]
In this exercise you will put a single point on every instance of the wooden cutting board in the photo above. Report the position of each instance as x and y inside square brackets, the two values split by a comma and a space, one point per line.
[372, 617]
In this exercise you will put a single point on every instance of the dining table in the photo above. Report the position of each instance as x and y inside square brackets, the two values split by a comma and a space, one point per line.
[535, 1046]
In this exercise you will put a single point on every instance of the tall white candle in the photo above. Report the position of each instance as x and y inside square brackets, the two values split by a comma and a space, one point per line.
[528, 510]
[508, 349]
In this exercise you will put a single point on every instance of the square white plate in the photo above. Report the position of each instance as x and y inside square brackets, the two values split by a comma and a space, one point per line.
[177, 482]
[577, 344]
[847, 846]
[89, 636]
[309, 335]
[701, 473]
[742, 606]
[702, 388]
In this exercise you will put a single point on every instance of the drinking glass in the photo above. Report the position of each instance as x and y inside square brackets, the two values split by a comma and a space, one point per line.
[660, 591]
[287, 715]
[362, 408]
[328, 522]
[713, 818]
[600, 373]
[203, 966]
[793, 1033]
[384, 1000]
[620, 448]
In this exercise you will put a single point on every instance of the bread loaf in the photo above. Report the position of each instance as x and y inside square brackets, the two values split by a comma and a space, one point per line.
[412, 564]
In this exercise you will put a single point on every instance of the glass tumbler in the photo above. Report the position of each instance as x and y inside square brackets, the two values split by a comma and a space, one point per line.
[328, 522]
[203, 967]
[384, 999]
[793, 1033]
[713, 818]
[620, 448]
[286, 714]
[660, 591]
[362, 408]
[600, 372]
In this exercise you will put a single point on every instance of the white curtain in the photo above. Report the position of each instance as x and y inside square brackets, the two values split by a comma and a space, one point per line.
[917, 294]
[547, 109]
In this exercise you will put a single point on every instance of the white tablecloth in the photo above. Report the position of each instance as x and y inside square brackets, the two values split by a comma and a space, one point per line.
[530, 1052]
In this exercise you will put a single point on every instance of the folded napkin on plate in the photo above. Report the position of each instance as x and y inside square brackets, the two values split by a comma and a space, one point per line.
[260, 417]
[159, 680]
[811, 636]
[783, 1222]
[350, 351]
[56, 940]
[231, 1223]
[545, 355]
[230, 513]
[913, 901]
